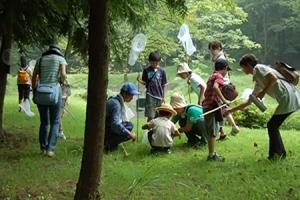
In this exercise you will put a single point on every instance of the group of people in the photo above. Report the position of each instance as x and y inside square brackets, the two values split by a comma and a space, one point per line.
[49, 69]
[201, 122]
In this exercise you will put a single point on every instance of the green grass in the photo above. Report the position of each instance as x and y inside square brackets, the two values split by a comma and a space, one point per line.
[184, 175]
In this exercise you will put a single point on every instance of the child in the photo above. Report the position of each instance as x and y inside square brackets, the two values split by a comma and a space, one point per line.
[197, 83]
[269, 81]
[154, 78]
[24, 81]
[190, 120]
[162, 129]
[213, 98]
[216, 50]
[66, 92]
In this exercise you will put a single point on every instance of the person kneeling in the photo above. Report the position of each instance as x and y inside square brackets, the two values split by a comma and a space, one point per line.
[162, 130]
[117, 127]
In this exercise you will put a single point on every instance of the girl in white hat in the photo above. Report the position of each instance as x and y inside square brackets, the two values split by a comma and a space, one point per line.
[197, 83]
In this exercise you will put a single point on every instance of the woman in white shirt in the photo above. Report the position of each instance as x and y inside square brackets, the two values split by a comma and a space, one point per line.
[269, 81]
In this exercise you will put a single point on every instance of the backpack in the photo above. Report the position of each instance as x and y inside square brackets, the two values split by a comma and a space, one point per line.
[288, 72]
[23, 76]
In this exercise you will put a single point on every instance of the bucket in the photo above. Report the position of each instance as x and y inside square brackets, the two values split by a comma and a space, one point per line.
[140, 104]
[258, 102]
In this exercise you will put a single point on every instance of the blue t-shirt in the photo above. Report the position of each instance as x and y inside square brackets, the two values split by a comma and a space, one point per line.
[155, 79]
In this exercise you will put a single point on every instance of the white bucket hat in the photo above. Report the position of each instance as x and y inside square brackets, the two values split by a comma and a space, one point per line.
[178, 101]
[182, 68]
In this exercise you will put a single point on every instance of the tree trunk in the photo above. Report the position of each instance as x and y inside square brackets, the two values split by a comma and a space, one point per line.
[69, 46]
[265, 38]
[89, 179]
[6, 44]
[4, 68]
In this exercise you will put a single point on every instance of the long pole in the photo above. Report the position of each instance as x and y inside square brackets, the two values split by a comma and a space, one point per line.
[137, 108]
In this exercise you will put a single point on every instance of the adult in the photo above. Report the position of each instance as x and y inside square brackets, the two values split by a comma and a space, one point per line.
[269, 81]
[118, 128]
[49, 69]
[190, 120]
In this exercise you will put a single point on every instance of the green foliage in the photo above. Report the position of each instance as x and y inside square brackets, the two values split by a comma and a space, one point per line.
[220, 20]
[277, 32]
[251, 117]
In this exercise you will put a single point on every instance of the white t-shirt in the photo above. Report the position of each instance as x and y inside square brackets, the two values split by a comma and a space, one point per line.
[195, 80]
[162, 131]
[286, 94]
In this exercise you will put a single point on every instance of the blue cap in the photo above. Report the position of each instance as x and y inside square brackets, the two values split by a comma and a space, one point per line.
[130, 88]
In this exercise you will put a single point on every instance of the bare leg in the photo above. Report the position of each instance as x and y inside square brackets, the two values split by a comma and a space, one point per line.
[235, 129]
[211, 144]
[230, 119]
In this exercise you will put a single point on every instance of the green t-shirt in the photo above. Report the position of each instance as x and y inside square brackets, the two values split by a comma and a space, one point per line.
[192, 114]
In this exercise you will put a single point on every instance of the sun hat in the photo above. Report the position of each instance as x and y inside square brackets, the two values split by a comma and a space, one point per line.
[130, 88]
[56, 48]
[183, 68]
[167, 108]
[178, 101]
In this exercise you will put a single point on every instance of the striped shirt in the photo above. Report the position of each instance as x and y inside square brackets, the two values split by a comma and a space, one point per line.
[49, 68]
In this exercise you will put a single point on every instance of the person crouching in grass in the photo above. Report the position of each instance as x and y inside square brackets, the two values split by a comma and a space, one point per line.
[162, 130]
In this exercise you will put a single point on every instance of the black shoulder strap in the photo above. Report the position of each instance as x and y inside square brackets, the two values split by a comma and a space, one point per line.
[153, 76]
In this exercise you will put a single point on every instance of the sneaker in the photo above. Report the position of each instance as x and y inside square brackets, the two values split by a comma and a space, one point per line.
[61, 135]
[169, 151]
[50, 153]
[235, 130]
[216, 157]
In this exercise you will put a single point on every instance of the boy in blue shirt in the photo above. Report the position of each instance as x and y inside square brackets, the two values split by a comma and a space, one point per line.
[154, 78]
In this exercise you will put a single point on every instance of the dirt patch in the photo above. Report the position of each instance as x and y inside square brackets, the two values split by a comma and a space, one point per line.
[65, 190]
[16, 141]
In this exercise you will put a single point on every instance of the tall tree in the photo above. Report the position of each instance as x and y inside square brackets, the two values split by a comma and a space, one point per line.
[89, 179]
[6, 43]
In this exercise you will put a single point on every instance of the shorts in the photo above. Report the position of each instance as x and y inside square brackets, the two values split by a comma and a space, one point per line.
[24, 91]
[151, 104]
[213, 125]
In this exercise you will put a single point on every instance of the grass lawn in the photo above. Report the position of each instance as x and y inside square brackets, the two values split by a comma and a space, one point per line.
[184, 174]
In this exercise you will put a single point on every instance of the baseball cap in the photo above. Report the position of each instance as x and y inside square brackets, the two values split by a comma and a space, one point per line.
[221, 64]
[130, 88]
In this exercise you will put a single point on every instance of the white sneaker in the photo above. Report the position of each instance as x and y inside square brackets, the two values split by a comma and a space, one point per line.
[50, 153]
[235, 130]
[61, 135]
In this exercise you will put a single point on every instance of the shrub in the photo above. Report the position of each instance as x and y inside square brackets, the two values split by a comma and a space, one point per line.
[251, 117]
